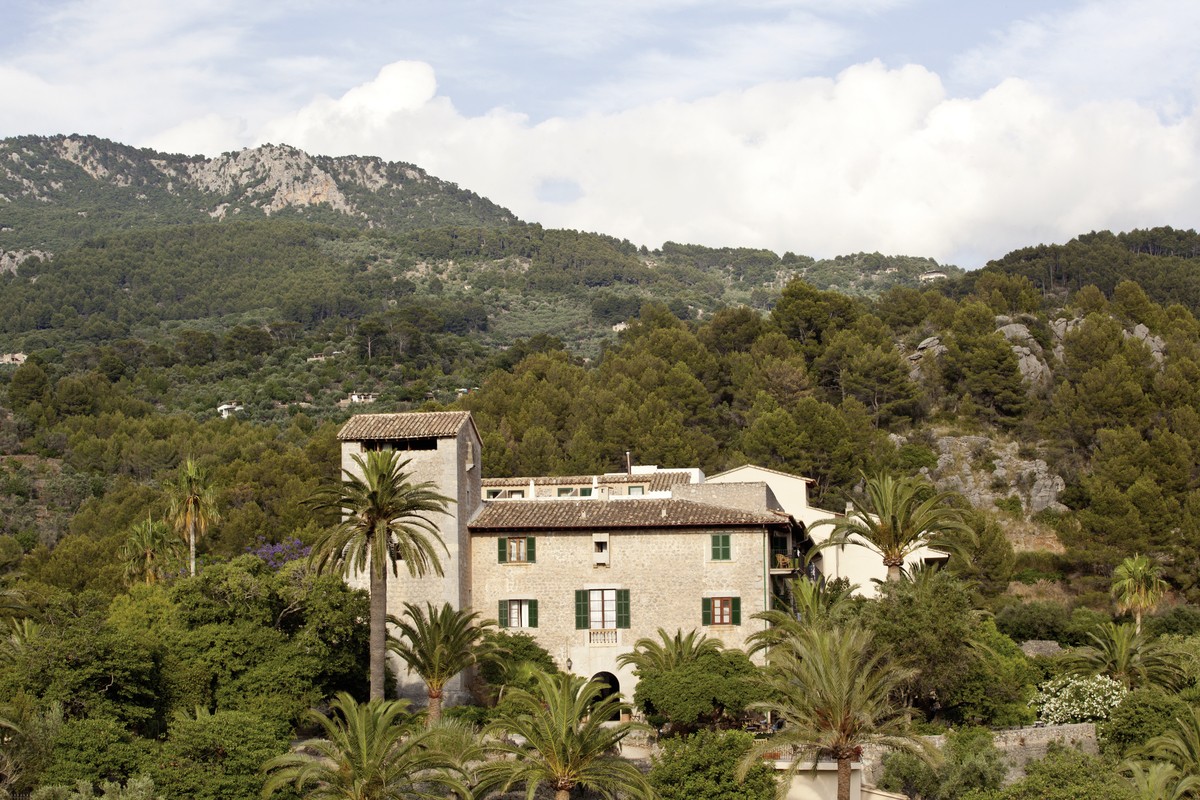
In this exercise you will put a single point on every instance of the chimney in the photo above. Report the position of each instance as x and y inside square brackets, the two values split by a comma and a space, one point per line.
[628, 462]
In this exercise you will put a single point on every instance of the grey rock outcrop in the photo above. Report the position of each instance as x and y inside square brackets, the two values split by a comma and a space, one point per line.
[985, 471]
[1031, 359]
[1155, 344]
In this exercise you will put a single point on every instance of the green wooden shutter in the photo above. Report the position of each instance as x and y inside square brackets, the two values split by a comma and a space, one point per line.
[530, 551]
[532, 614]
[502, 549]
[502, 615]
[581, 609]
[720, 547]
[622, 608]
[706, 611]
[737, 610]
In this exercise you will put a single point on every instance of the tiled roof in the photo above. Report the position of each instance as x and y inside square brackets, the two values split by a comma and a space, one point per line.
[660, 481]
[508, 515]
[416, 425]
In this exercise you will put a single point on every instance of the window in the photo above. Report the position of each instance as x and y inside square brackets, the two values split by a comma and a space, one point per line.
[492, 494]
[720, 547]
[600, 549]
[721, 611]
[516, 550]
[518, 613]
[601, 609]
[637, 491]
[569, 491]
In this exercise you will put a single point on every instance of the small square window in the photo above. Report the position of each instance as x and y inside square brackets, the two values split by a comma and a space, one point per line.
[637, 491]
[492, 494]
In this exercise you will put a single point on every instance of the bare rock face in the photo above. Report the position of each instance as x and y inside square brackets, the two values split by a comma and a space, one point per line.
[10, 260]
[1031, 360]
[275, 176]
[984, 471]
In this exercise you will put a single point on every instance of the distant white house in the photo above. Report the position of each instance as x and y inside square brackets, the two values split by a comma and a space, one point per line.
[932, 275]
[12, 358]
[363, 397]
[227, 410]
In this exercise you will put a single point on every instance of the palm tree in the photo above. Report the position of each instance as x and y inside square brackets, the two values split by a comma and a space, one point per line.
[1179, 746]
[1127, 656]
[812, 604]
[900, 516]
[369, 751]
[673, 652]
[192, 506]
[384, 519]
[564, 742]
[1157, 780]
[833, 688]
[438, 644]
[1138, 586]
[149, 552]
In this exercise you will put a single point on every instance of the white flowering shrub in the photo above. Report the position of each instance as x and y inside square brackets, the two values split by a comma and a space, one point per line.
[1073, 698]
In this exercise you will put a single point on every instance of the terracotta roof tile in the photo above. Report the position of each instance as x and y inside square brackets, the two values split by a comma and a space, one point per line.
[504, 515]
[416, 425]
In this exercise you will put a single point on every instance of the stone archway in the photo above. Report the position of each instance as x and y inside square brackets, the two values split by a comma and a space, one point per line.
[611, 686]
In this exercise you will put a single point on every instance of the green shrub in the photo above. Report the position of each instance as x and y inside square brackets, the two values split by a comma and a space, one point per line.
[1140, 716]
[704, 765]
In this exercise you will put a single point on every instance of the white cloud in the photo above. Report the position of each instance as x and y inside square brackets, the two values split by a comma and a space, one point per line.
[1098, 50]
[875, 159]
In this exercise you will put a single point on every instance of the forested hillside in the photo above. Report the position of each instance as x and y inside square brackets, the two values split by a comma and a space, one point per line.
[1056, 392]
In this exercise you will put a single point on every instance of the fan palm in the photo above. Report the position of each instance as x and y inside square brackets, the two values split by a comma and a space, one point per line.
[369, 751]
[563, 741]
[833, 689]
[385, 518]
[439, 643]
[899, 517]
[672, 652]
[149, 552]
[192, 506]
[1125, 655]
[1138, 587]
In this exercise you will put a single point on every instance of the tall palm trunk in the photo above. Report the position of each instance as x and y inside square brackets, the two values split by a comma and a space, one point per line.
[192, 546]
[378, 630]
[843, 779]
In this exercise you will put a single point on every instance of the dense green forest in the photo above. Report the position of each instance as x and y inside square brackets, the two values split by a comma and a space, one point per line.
[1072, 367]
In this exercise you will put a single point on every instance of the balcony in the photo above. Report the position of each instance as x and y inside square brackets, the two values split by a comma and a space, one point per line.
[783, 564]
[602, 636]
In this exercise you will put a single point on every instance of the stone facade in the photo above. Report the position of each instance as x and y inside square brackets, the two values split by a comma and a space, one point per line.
[667, 573]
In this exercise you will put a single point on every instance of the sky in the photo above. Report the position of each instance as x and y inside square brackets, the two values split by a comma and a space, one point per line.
[953, 129]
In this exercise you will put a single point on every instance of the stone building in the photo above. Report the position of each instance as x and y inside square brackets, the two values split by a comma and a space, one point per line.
[590, 564]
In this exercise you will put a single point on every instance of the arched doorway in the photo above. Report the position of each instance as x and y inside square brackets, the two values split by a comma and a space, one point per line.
[610, 686]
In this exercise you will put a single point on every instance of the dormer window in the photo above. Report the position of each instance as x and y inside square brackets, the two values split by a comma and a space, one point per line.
[637, 491]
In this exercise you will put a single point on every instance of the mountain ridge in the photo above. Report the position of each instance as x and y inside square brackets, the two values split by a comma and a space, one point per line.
[100, 185]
